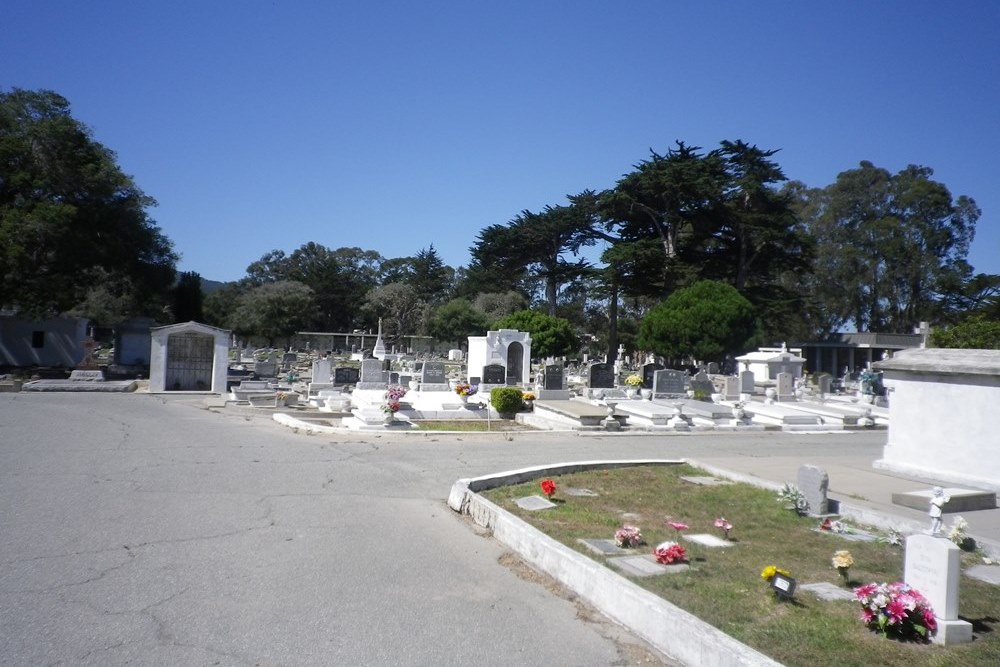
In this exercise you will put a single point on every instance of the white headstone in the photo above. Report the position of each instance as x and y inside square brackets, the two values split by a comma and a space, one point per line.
[933, 567]
[786, 387]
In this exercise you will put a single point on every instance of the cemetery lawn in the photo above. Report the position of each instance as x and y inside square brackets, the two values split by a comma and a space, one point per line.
[723, 585]
[497, 425]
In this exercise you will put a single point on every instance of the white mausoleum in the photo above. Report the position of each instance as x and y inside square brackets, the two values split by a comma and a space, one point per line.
[940, 409]
[188, 357]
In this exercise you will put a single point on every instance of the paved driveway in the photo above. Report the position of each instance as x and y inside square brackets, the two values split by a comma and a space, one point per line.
[146, 530]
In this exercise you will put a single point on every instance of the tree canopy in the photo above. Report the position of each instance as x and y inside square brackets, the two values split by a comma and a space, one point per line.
[74, 229]
[550, 336]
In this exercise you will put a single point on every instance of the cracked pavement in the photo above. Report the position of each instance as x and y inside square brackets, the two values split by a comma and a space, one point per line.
[148, 530]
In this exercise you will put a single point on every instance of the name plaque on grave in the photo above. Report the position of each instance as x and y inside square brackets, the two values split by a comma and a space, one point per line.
[494, 374]
[602, 376]
[346, 375]
[553, 378]
[433, 373]
[668, 382]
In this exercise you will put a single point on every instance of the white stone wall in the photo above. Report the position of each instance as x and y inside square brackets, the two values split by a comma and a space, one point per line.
[941, 416]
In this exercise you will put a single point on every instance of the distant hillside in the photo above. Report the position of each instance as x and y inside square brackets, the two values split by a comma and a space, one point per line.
[209, 286]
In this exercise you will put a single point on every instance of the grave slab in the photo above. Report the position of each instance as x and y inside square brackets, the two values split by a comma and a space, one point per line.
[707, 540]
[854, 536]
[988, 573]
[644, 566]
[534, 503]
[824, 590]
[960, 500]
[583, 493]
[603, 547]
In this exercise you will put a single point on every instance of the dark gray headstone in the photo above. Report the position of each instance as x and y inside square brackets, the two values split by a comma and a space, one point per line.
[668, 382]
[346, 375]
[746, 382]
[713, 368]
[813, 482]
[494, 374]
[393, 378]
[266, 369]
[553, 377]
[602, 376]
[475, 381]
[433, 373]
[647, 374]
[825, 384]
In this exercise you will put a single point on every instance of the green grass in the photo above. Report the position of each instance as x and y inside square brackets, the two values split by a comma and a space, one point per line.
[724, 587]
[471, 425]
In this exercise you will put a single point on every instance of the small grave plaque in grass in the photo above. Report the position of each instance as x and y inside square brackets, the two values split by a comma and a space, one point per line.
[603, 547]
[824, 590]
[534, 503]
[706, 481]
[641, 566]
[707, 540]
[583, 493]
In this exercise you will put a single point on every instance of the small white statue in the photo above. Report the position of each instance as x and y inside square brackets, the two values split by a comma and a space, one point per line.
[938, 500]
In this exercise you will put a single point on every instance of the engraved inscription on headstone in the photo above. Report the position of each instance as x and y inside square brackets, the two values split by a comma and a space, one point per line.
[346, 375]
[731, 389]
[786, 387]
[602, 376]
[553, 378]
[433, 373]
[494, 374]
[371, 370]
[668, 382]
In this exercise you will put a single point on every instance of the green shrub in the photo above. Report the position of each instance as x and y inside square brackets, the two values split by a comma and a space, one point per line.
[506, 399]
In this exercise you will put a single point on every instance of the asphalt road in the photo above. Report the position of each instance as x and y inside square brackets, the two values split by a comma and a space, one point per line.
[143, 530]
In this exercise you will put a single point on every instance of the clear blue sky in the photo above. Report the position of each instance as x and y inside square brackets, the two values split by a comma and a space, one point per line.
[394, 125]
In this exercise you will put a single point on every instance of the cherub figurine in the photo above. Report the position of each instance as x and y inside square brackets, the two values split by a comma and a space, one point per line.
[938, 500]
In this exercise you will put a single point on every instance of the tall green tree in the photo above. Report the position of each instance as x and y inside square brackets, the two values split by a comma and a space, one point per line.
[543, 245]
[550, 336]
[456, 320]
[400, 308]
[69, 217]
[430, 276]
[188, 299]
[887, 245]
[273, 311]
[653, 213]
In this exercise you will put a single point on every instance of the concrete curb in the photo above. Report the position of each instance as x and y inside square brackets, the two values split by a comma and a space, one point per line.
[668, 628]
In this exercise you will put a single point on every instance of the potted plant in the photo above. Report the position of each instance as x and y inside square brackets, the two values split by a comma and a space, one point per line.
[632, 384]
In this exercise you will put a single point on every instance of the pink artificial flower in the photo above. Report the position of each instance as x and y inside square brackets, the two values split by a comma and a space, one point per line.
[867, 615]
[896, 611]
[866, 591]
[929, 621]
[670, 552]
[677, 525]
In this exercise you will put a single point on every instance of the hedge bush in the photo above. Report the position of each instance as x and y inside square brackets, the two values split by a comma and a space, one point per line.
[506, 399]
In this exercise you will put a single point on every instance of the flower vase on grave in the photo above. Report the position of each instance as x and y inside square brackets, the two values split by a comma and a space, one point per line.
[647, 394]
[389, 418]
[629, 393]
[464, 398]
